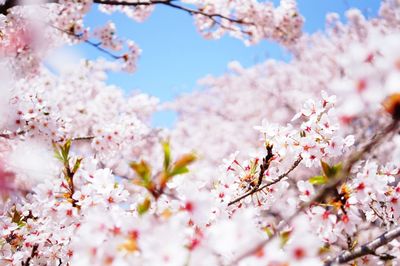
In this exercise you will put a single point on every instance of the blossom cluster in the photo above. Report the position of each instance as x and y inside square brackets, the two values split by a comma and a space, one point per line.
[61, 21]
[78, 104]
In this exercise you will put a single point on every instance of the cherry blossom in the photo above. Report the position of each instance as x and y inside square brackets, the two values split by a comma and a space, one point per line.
[282, 163]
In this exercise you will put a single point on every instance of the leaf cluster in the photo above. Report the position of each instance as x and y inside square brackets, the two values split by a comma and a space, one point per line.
[157, 183]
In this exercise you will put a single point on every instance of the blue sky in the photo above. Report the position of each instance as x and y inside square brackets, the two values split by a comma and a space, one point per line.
[175, 56]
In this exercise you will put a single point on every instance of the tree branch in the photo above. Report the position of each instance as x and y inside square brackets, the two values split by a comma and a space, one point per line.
[95, 45]
[12, 3]
[12, 134]
[33, 254]
[270, 183]
[366, 249]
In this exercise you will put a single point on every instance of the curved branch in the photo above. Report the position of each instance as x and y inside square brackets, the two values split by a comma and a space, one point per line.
[366, 249]
[12, 3]
[79, 37]
[270, 183]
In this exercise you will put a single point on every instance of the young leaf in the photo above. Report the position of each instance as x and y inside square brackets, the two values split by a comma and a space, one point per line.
[143, 170]
[65, 150]
[330, 171]
[184, 160]
[179, 171]
[318, 180]
[180, 166]
[61, 152]
[284, 236]
[58, 156]
[16, 217]
[253, 167]
[143, 207]
[167, 154]
[268, 231]
[77, 165]
[326, 169]
[337, 168]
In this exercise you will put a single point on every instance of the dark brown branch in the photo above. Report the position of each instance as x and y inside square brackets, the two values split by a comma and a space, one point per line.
[129, 3]
[199, 12]
[366, 249]
[7, 5]
[12, 134]
[33, 254]
[95, 45]
[270, 183]
[82, 138]
[265, 164]
[173, 5]
[12, 3]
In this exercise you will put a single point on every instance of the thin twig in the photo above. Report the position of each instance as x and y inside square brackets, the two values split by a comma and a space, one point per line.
[33, 254]
[95, 45]
[83, 138]
[371, 205]
[12, 134]
[173, 5]
[270, 183]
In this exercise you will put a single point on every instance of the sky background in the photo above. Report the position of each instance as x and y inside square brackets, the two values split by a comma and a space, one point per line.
[175, 55]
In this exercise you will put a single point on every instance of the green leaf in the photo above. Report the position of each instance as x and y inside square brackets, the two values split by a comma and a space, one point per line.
[318, 180]
[143, 170]
[62, 152]
[77, 165]
[337, 168]
[57, 153]
[253, 167]
[65, 150]
[268, 231]
[143, 207]
[58, 156]
[284, 236]
[326, 169]
[330, 171]
[167, 155]
[180, 165]
[179, 171]
[21, 224]
[185, 160]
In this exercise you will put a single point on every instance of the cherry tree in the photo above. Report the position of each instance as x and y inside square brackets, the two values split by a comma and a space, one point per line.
[283, 163]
